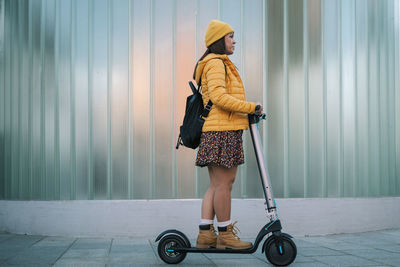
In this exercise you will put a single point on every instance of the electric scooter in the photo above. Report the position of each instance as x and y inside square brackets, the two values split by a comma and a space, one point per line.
[278, 247]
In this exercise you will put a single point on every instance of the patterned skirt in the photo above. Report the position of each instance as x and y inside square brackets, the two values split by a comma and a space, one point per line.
[220, 149]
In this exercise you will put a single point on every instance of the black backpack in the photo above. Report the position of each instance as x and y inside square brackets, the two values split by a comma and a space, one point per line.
[195, 112]
[190, 130]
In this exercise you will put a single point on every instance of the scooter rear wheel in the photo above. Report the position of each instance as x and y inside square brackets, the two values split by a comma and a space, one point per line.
[280, 251]
[166, 249]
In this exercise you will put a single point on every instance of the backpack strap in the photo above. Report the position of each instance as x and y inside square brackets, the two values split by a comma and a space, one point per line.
[207, 108]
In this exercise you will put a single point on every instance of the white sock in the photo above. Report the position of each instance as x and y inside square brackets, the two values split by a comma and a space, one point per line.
[224, 224]
[206, 222]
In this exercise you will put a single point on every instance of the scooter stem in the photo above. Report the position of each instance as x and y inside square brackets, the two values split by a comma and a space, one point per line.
[262, 167]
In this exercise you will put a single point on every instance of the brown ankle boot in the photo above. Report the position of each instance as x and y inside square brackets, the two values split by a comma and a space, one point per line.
[229, 239]
[207, 238]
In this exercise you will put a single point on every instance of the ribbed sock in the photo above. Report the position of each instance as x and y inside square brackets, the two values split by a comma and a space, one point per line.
[206, 221]
[205, 226]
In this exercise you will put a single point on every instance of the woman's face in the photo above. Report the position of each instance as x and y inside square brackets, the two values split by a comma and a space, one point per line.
[229, 43]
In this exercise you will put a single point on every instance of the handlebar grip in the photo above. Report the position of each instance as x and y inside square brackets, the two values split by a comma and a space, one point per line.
[254, 118]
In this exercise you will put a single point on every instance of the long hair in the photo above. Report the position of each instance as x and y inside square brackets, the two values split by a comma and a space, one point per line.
[218, 47]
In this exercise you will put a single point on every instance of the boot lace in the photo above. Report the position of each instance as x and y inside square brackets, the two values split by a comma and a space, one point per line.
[234, 230]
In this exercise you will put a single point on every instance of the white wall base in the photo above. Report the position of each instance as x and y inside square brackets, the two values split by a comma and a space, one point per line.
[147, 218]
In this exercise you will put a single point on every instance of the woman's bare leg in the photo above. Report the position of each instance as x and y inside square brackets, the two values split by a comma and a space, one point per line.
[223, 179]
[207, 205]
[217, 199]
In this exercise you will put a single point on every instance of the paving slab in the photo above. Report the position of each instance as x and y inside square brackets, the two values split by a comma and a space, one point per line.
[7, 253]
[129, 248]
[55, 242]
[136, 265]
[345, 261]
[303, 259]
[84, 253]
[393, 248]
[134, 260]
[92, 243]
[198, 259]
[344, 246]
[371, 253]
[370, 241]
[80, 262]
[240, 262]
[21, 241]
[309, 264]
[392, 261]
[5, 237]
[228, 256]
[319, 251]
[37, 256]
[304, 243]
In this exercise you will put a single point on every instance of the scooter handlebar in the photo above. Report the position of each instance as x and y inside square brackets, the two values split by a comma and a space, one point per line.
[255, 118]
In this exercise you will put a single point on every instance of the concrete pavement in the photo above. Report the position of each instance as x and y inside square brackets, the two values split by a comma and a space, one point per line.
[381, 248]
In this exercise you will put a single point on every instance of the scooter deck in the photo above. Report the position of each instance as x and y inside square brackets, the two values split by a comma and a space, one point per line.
[216, 250]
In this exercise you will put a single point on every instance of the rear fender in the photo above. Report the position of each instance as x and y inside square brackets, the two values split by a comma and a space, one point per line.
[174, 232]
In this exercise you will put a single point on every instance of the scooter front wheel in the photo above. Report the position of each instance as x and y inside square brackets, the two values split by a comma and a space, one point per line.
[280, 251]
[167, 246]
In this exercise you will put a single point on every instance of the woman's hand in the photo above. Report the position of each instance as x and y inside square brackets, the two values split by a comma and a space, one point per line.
[259, 109]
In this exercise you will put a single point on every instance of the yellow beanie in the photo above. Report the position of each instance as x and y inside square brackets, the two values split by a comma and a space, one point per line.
[216, 30]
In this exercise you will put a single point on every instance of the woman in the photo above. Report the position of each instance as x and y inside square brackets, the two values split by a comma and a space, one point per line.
[221, 148]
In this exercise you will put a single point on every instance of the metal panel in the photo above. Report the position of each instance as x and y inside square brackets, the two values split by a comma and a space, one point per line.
[23, 35]
[15, 94]
[383, 98]
[49, 98]
[7, 105]
[98, 81]
[332, 85]
[2, 99]
[185, 59]
[315, 109]
[275, 88]
[37, 104]
[362, 97]
[64, 97]
[119, 64]
[397, 93]
[374, 76]
[163, 94]
[349, 106]
[391, 152]
[80, 97]
[56, 100]
[141, 108]
[295, 94]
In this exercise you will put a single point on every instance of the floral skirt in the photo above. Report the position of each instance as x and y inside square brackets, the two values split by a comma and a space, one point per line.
[224, 148]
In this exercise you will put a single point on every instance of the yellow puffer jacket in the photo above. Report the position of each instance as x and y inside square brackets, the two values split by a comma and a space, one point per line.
[226, 91]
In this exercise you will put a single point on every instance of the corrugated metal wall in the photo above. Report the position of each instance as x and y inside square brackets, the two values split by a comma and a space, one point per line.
[93, 92]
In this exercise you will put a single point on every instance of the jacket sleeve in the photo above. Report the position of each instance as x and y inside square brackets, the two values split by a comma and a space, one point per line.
[215, 74]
